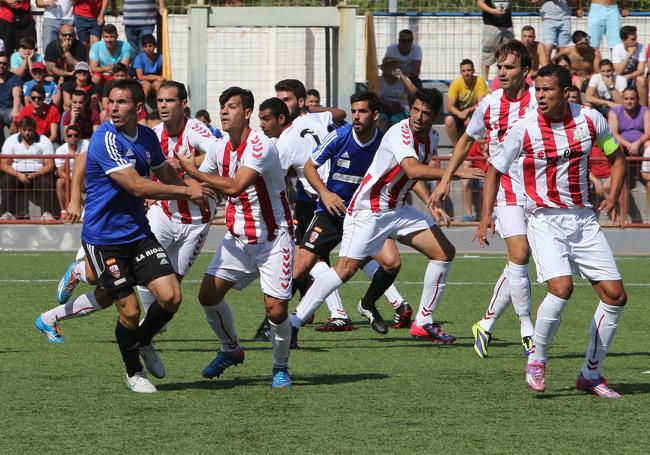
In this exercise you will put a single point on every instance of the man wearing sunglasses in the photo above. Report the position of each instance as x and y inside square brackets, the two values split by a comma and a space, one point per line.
[62, 55]
[73, 145]
[46, 116]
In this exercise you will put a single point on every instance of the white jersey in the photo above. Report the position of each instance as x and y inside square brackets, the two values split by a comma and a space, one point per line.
[386, 186]
[194, 136]
[63, 150]
[553, 158]
[261, 211]
[493, 117]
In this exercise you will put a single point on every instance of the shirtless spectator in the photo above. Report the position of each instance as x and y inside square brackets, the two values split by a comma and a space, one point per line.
[73, 145]
[605, 89]
[584, 58]
[497, 29]
[537, 51]
[81, 116]
[605, 19]
[629, 60]
[62, 55]
[409, 55]
[463, 97]
[565, 62]
[45, 116]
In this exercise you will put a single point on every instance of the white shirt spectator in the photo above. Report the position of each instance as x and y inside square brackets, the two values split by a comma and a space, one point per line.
[619, 53]
[395, 92]
[2, 45]
[63, 150]
[62, 9]
[407, 61]
[13, 146]
[596, 81]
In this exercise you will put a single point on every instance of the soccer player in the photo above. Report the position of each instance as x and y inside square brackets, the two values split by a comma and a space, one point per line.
[494, 115]
[551, 147]
[259, 242]
[378, 211]
[116, 235]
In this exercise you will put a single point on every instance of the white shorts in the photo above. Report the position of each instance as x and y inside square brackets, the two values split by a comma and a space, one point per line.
[365, 231]
[570, 241]
[183, 242]
[645, 165]
[240, 263]
[511, 220]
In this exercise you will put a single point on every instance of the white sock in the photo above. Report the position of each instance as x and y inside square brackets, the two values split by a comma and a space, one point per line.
[499, 303]
[323, 286]
[80, 271]
[146, 297]
[603, 328]
[548, 321]
[280, 340]
[334, 303]
[83, 305]
[520, 295]
[219, 317]
[432, 291]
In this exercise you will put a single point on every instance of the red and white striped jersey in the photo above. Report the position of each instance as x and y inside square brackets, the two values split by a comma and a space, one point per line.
[194, 136]
[261, 211]
[553, 158]
[493, 117]
[385, 185]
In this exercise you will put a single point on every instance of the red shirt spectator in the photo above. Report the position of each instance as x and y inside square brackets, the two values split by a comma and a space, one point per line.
[88, 8]
[478, 154]
[45, 117]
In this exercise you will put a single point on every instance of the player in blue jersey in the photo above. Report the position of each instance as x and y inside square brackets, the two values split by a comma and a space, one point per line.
[116, 235]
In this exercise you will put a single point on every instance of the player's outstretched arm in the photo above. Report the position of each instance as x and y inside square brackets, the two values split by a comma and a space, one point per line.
[76, 189]
[332, 202]
[490, 189]
[458, 155]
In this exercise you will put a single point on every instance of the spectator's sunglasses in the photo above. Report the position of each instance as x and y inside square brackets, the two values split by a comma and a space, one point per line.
[4, 62]
[71, 135]
[67, 35]
[37, 98]
[405, 40]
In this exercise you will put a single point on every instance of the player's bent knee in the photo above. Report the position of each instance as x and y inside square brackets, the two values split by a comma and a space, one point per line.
[562, 288]
[276, 310]
[613, 293]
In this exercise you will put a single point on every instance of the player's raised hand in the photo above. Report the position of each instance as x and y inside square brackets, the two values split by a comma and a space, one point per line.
[482, 230]
[333, 203]
[609, 206]
[471, 173]
[439, 215]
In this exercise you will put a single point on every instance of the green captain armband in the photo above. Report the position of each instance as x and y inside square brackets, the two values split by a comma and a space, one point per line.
[608, 145]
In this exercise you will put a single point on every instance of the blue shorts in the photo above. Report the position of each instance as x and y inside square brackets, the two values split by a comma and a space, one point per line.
[556, 32]
[87, 26]
[604, 20]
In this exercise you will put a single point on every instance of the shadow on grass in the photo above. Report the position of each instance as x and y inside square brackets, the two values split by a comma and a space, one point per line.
[579, 355]
[298, 380]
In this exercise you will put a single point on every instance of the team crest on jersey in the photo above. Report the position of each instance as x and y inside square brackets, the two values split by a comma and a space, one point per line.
[578, 134]
[406, 135]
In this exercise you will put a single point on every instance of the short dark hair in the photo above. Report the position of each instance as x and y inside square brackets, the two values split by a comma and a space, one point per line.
[27, 43]
[203, 113]
[627, 30]
[373, 100]
[562, 74]
[466, 61]
[431, 97]
[574, 89]
[181, 91]
[578, 36]
[4, 54]
[313, 92]
[564, 58]
[27, 122]
[120, 68]
[133, 86]
[246, 96]
[406, 31]
[79, 93]
[633, 89]
[292, 85]
[148, 39]
[527, 28]
[516, 48]
[605, 61]
[38, 88]
[110, 29]
[276, 106]
[73, 128]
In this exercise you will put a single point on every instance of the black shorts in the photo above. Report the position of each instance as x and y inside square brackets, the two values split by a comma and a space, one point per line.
[120, 267]
[303, 212]
[323, 234]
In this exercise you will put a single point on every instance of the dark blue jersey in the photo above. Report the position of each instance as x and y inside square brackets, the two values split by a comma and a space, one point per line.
[113, 215]
[349, 161]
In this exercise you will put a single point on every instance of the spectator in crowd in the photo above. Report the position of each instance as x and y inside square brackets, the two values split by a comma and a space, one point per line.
[471, 188]
[16, 22]
[81, 116]
[46, 116]
[52, 94]
[556, 23]
[565, 62]
[537, 51]
[55, 14]
[89, 19]
[630, 124]
[140, 19]
[120, 72]
[10, 95]
[81, 81]
[148, 66]
[204, 116]
[409, 54]
[23, 179]
[24, 57]
[574, 95]
[584, 58]
[73, 145]
[463, 97]
[108, 52]
[497, 29]
[629, 60]
[605, 19]
[394, 88]
[605, 89]
[63, 54]
[313, 98]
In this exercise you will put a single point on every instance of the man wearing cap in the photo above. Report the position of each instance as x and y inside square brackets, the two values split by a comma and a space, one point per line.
[63, 54]
[82, 81]
[52, 94]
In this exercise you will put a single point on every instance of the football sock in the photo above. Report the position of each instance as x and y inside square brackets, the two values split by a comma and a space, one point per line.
[145, 296]
[381, 280]
[333, 300]
[83, 305]
[280, 340]
[499, 303]
[392, 294]
[548, 321]
[220, 318]
[603, 328]
[324, 285]
[155, 320]
[520, 295]
[127, 341]
[80, 271]
[434, 287]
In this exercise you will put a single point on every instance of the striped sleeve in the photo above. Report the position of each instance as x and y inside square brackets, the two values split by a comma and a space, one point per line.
[325, 150]
[111, 155]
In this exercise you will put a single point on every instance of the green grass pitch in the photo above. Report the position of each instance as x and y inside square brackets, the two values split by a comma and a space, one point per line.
[354, 393]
